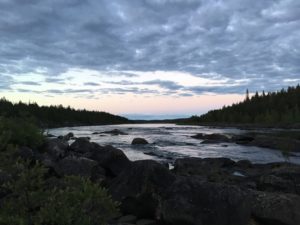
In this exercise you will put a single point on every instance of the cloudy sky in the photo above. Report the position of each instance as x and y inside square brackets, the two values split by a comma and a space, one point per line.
[173, 57]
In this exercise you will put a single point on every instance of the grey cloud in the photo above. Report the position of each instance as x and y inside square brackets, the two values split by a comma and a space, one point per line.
[232, 38]
[91, 84]
[166, 84]
[30, 83]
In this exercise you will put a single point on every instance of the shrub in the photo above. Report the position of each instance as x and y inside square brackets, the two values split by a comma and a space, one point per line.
[19, 132]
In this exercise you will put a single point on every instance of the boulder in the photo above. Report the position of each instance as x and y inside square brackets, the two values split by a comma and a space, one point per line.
[76, 166]
[113, 160]
[213, 137]
[114, 132]
[25, 153]
[276, 208]
[242, 139]
[284, 144]
[83, 145]
[190, 201]
[139, 186]
[55, 148]
[198, 166]
[139, 141]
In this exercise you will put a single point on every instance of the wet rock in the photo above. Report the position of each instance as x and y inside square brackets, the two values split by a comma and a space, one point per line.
[242, 139]
[276, 208]
[50, 135]
[285, 144]
[212, 137]
[190, 201]
[139, 141]
[114, 132]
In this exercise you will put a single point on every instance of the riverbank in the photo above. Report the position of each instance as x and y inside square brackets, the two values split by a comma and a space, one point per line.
[211, 191]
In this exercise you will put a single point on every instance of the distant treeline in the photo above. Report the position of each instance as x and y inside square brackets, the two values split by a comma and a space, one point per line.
[281, 107]
[57, 116]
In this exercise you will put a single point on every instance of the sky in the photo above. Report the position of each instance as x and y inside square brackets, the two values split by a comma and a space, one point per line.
[151, 58]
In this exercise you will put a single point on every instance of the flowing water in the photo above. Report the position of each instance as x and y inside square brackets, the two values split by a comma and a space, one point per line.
[169, 141]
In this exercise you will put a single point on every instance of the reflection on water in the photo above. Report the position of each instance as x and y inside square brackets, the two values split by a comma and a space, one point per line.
[169, 141]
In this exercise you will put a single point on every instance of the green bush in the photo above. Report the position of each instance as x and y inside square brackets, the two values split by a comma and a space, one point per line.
[28, 198]
[80, 203]
[19, 132]
[77, 201]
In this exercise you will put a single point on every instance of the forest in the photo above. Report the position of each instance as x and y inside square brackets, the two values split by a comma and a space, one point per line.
[281, 107]
[57, 116]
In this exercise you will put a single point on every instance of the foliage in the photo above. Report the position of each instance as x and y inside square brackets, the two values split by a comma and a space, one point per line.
[80, 203]
[28, 196]
[272, 108]
[58, 116]
[19, 132]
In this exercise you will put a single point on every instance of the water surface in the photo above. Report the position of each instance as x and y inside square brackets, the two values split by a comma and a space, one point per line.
[169, 141]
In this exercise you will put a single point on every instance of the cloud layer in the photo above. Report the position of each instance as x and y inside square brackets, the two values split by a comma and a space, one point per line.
[244, 44]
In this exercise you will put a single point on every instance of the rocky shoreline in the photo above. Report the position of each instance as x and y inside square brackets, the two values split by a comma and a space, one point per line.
[211, 191]
[288, 145]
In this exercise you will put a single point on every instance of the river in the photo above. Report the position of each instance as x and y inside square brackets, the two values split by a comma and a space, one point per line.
[169, 141]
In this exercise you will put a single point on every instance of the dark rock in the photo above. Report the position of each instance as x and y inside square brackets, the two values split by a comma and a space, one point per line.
[139, 186]
[198, 166]
[284, 144]
[276, 208]
[25, 153]
[139, 141]
[114, 132]
[212, 137]
[190, 201]
[50, 135]
[242, 139]
[127, 219]
[68, 136]
[76, 166]
[83, 145]
[56, 148]
[243, 164]
[146, 222]
[112, 159]
[96, 133]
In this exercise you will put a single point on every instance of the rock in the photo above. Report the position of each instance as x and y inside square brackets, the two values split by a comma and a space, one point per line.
[191, 201]
[127, 219]
[50, 135]
[243, 164]
[55, 148]
[112, 159]
[76, 166]
[139, 141]
[68, 136]
[276, 208]
[139, 186]
[83, 145]
[96, 133]
[25, 153]
[242, 139]
[284, 144]
[114, 132]
[146, 222]
[212, 137]
[198, 166]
